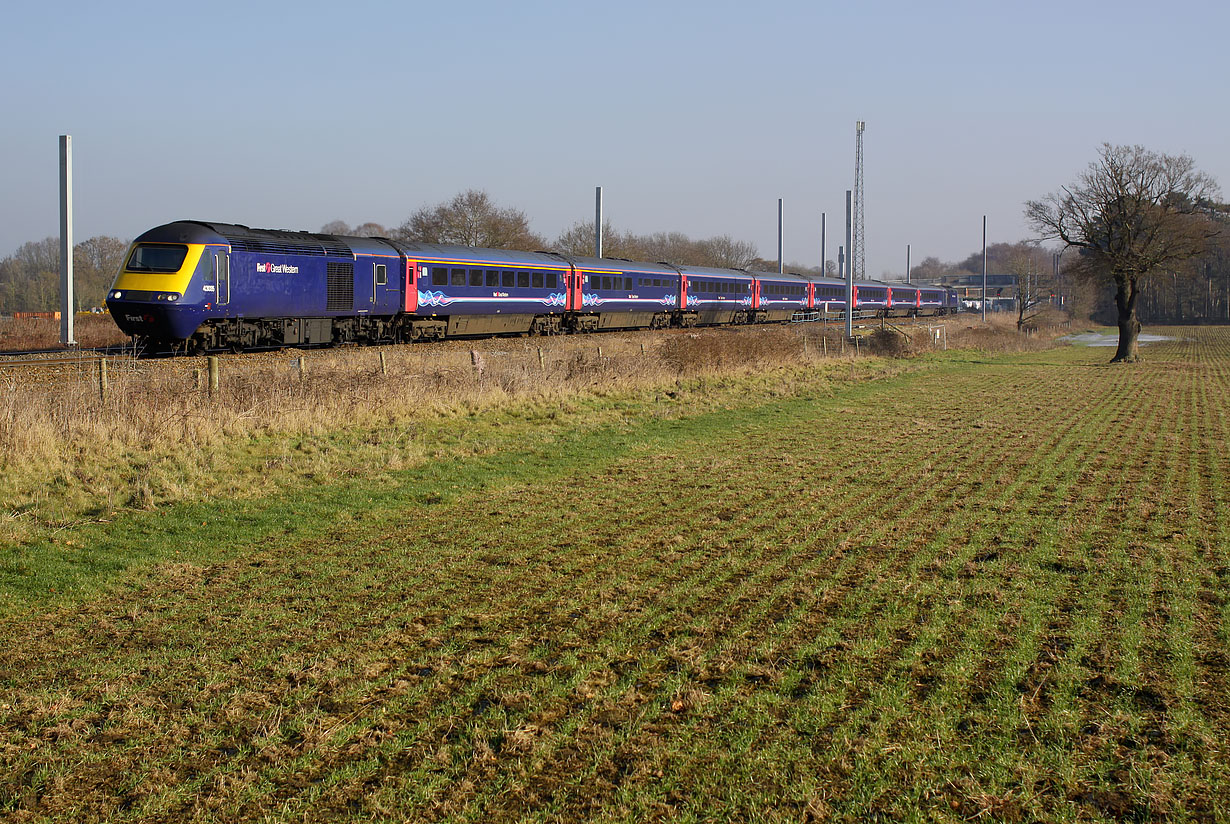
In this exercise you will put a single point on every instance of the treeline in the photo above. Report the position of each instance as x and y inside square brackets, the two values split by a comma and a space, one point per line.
[1197, 292]
[30, 277]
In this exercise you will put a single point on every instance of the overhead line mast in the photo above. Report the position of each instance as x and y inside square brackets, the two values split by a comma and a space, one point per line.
[858, 252]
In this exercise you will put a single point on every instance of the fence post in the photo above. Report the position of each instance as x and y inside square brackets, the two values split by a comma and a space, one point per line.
[303, 367]
[102, 379]
[542, 363]
[213, 374]
[384, 368]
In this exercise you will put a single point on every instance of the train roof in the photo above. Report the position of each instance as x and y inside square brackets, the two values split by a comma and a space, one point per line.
[269, 241]
[478, 254]
[605, 264]
[713, 271]
[785, 277]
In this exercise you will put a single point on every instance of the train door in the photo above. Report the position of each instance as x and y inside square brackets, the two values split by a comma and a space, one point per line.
[364, 285]
[384, 288]
[222, 279]
[411, 303]
[575, 280]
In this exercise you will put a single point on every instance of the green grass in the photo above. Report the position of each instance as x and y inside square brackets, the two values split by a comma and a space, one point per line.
[983, 588]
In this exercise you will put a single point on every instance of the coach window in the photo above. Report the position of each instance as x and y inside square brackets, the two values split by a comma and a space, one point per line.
[439, 277]
[508, 279]
[382, 274]
[459, 277]
[476, 277]
[552, 280]
[536, 277]
[523, 279]
[493, 277]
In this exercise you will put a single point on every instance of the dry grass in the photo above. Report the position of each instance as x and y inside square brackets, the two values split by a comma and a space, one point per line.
[160, 436]
[19, 334]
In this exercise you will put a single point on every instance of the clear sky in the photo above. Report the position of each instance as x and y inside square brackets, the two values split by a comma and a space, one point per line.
[692, 116]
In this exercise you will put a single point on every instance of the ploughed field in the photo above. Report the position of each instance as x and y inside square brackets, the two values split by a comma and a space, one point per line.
[985, 588]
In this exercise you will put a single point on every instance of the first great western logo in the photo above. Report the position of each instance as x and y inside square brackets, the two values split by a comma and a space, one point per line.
[277, 268]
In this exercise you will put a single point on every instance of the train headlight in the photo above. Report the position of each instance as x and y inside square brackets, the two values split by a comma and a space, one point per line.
[117, 294]
[172, 296]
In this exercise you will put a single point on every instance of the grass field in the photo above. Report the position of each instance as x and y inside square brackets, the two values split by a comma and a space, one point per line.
[970, 588]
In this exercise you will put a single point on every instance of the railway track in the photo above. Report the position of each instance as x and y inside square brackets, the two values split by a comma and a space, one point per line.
[61, 357]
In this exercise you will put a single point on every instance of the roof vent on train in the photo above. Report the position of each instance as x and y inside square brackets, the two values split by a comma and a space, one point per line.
[279, 242]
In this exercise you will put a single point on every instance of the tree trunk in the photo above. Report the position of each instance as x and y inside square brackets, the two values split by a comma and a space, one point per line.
[1129, 327]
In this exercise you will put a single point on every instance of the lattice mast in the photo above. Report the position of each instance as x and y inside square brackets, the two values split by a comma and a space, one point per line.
[858, 252]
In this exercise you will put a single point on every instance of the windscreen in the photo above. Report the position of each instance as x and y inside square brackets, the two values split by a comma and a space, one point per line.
[157, 258]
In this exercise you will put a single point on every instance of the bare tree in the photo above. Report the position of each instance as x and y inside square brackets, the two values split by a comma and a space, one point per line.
[369, 229]
[1032, 268]
[722, 251]
[1131, 213]
[471, 219]
[578, 240]
[335, 227]
[30, 277]
[726, 252]
[96, 262]
[931, 268]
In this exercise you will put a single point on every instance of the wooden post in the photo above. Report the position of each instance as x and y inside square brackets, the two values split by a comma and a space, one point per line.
[599, 353]
[213, 374]
[542, 363]
[643, 344]
[102, 379]
[384, 368]
[199, 375]
[303, 367]
[824, 342]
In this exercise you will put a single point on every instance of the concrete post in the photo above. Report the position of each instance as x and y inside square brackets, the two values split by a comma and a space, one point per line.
[68, 308]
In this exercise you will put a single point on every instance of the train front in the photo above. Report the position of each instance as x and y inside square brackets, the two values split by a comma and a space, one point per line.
[168, 282]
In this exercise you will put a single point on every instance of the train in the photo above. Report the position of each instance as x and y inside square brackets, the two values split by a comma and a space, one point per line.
[195, 286]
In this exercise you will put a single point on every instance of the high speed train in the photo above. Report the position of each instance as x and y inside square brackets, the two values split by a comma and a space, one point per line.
[197, 286]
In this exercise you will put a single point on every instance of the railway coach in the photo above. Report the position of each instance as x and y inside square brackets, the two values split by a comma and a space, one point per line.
[194, 286]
